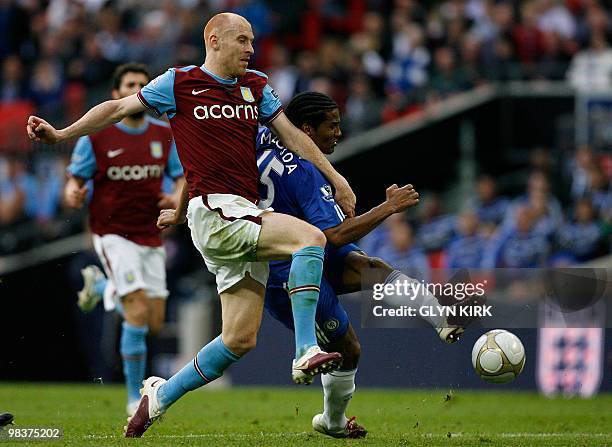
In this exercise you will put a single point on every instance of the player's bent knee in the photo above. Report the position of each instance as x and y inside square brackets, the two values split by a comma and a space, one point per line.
[313, 238]
[136, 308]
[240, 344]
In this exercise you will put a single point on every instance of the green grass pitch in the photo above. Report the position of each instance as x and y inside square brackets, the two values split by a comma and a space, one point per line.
[93, 415]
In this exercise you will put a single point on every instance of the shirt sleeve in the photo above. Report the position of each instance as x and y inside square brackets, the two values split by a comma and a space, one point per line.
[316, 199]
[158, 95]
[174, 169]
[83, 162]
[270, 105]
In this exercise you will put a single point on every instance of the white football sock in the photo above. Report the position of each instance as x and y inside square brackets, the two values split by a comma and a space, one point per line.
[338, 388]
[423, 298]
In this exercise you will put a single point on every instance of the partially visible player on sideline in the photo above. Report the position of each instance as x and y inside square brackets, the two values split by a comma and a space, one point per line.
[214, 111]
[127, 162]
[294, 186]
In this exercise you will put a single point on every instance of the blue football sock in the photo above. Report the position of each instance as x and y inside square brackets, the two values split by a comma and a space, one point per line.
[100, 286]
[304, 285]
[208, 365]
[134, 354]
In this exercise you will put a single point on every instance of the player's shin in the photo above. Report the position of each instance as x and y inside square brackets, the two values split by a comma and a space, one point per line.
[134, 355]
[338, 389]
[423, 298]
[208, 365]
[304, 284]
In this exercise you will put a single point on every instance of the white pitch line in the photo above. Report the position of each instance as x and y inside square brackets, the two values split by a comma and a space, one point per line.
[424, 435]
[205, 435]
[518, 435]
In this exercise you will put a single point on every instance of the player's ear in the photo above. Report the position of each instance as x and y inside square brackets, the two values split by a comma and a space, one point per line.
[307, 129]
[213, 41]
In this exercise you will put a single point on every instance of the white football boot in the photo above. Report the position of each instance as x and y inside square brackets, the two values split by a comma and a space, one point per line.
[314, 361]
[350, 430]
[88, 298]
[148, 411]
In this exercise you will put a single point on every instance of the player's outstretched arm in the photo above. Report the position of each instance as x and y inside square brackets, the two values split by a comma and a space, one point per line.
[354, 228]
[297, 141]
[97, 118]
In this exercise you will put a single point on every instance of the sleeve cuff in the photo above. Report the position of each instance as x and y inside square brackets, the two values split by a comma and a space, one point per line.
[146, 104]
[273, 116]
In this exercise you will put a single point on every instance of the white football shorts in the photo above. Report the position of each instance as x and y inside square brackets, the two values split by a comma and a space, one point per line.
[225, 230]
[129, 267]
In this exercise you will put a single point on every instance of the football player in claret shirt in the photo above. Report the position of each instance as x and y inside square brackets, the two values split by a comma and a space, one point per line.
[127, 162]
[215, 110]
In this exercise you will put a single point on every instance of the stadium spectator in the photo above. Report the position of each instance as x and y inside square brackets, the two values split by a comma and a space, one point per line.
[518, 245]
[436, 229]
[545, 208]
[14, 84]
[283, 75]
[591, 69]
[582, 237]
[467, 249]
[362, 109]
[47, 86]
[400, 249]
[407, 69]
[600, 191]
[447, 78]
[17, 187]
[579, 167]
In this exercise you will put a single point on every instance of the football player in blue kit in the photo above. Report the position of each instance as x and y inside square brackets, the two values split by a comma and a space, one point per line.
[294, 186]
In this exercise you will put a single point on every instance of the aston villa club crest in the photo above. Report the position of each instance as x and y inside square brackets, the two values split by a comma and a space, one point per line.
[157, 149]
[247, 94]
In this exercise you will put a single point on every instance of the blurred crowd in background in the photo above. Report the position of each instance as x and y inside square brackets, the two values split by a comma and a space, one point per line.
[379, 59]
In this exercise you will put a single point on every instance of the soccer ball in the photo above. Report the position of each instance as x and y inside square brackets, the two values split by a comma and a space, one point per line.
[498, 356]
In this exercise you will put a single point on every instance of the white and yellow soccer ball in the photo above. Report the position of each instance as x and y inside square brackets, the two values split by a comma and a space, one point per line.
[498, 356]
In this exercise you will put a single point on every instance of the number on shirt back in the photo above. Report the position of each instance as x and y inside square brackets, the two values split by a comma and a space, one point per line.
[274, 165]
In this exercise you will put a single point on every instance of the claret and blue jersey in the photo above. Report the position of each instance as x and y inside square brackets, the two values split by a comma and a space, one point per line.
[295, 186]
[214, 121]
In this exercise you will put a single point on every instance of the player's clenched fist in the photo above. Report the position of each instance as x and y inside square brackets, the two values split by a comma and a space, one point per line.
[168, 218]
[402, 198]
[40, 130]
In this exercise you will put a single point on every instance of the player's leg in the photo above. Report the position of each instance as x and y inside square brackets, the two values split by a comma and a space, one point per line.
[157, 315]
[241, 309]
[122, 261]
[133, 343]
[153, 261]
[379, 272]
[338, 389]
[284, 236]
[335, 333]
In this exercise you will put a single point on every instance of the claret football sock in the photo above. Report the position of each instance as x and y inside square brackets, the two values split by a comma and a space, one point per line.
[134, 355]
[304, 285]
[422, 297]
[208, 365]
[338, 389]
